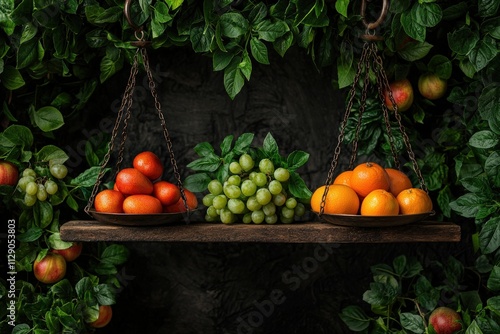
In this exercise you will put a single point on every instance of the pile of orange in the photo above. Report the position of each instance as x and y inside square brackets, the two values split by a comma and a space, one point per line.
[372, 190]
[140, 190]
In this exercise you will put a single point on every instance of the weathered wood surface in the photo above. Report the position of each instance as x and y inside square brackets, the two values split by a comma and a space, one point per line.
[311, 232]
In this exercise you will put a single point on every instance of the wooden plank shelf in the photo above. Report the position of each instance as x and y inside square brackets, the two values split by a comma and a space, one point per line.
[306, 232]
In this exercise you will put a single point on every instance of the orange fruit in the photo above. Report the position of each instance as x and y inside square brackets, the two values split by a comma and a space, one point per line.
[168, 193]
[344, 178]
[340, 199]
[413, 201]
[367, 177]
[109, 201]
[379, 202]
[191, 201]
[148, 164]
[142, 204]
[130, 181]
[398, 181]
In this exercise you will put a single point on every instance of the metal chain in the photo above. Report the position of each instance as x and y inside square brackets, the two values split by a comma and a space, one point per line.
[125, 105]
[152, 88]
[340, 139]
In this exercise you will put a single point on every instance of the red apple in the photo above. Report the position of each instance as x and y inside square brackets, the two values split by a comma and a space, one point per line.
[9, 174]
[50, 269]
[402, 92]
[105, 314]
[71, 253]
[445, 320]
[431, 86]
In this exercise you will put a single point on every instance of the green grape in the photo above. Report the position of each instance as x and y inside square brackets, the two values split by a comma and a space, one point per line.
[291, 203]
[23, 182]
[234, 180]
[226, 216]
[51, 187]
[212, 212]
[232, 191]
[236, 205]
[272, 219]
[208, 200]
[210, 219]
[248, 188]
[59, 171]
[29, 172]
[286, 220]
[31, 188]
[235, 167]
[279, 199]
[275, 187]
[258, 216]
[246, 162]
[253, 204]
[219, 202]
[266, 166]
[263, 196]
[247, 218]
[281, 174]
[300, 209]
[260, 179]
[29, 200]
[215, 187]
[41, 193]
[269, 209]
[252, 174]
[287, 213]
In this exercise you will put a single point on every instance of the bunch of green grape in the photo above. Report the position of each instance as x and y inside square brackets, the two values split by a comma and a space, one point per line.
[253, 194]
[39, 188]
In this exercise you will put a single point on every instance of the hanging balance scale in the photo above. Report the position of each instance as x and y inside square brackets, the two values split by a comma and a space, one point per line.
[123, 117]
[371, 62]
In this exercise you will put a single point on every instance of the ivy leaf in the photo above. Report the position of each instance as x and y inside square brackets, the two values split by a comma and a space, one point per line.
[55, 242]
[233, 78]
[201, 38]
[115, 254]
[493, 282]
[492, 168]
[258, 13]
[197, 182]
[415, 51]
[488, 7]
[477, 184]
[246, 65]
[220, 60]
[427, 295]
[51, 153]
[48, 118]
[32, 234]
[233, 25]
[412, 322]
[283, 43]
[11, 78]
[355, 318]
[440, 65]
[463, 40]
[489, 103]
[270, 31]
[174, 4]
[411, 27]
[484, 139]
[341, 7]
[428, 14]
[104, 294]
[27, 53]
[259, 51]
[345, 71]
[467, 205]
[489, 237]
[482, 53]
[110, 64]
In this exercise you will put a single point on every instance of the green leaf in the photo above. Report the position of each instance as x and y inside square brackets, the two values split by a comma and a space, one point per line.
[476, 184]
[174, 4]
[204, 149]
[258, 13]
[355, 318]
[341, 7]
[270, 146]
[27, 53]
[489, 236]
[201, 38]
[493, 282]
[467, 205]
[463, 40]
[482, 53]
[48, 118]
[415, 51]
[110, 64]
[32, 234]
[455, 11]
[411, 27]
[259, 51]
[440, 65]
[283, 43]
[221, 60]
[296, 159]
[225, 145]
[484, 139]
[11, 78]
[51, 153]
[488, 7]
[88, 178]
[197, 182]
[43, 214]
[21, 329]
[412, 322]
[233, 25]
[233, 78]
[54, 241]
[307, 14]
[63, 289]
[470, 300]
[427, 295]
[399, 264]
[428, 14]
[345, 69]
[243, 143]
[246, 65]
[18, 135]
[492, 168]
[298, 187]
[105, 294]
[205, 164]
[270, 31]
[115, 254]
[489, 103]
[491, 27]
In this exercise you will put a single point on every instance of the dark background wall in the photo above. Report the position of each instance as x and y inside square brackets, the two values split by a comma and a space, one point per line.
[183, 288]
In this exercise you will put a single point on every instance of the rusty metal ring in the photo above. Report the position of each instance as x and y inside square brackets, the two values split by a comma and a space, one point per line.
[383, 14]
[126, 13]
